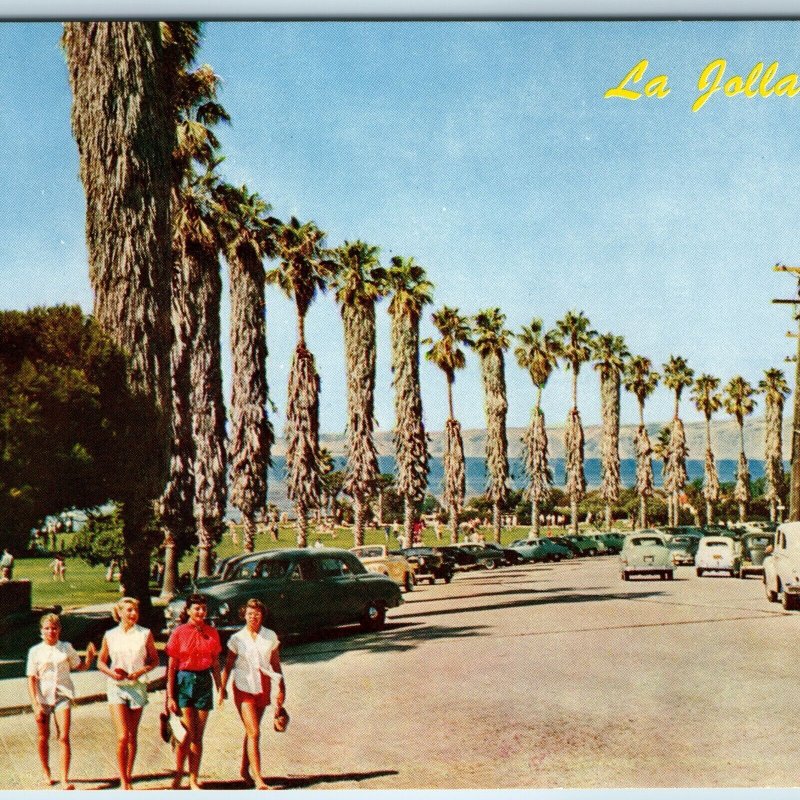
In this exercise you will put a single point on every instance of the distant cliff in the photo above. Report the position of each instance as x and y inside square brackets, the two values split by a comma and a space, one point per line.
[724, 432]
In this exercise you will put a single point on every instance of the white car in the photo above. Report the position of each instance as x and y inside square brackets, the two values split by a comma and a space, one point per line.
[646, 553]
[782, 567]
[717, 554]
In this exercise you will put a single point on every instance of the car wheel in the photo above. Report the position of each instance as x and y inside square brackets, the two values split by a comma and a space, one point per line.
[408, 582]
[625, 576]
[699, 572]
[772, 595]
[671, 575]
[374, 616]
[490, 564]
[448, 576]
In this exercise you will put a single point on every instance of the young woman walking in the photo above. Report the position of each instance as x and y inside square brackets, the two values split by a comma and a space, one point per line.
[127, 654]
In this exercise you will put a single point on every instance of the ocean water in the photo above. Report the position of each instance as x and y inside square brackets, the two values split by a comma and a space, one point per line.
[477, 478]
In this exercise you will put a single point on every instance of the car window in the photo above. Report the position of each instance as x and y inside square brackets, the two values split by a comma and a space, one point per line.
[331, 567]
[272, 568]
[646, 541]
[717, 544]
[246, 570]
[369, 552]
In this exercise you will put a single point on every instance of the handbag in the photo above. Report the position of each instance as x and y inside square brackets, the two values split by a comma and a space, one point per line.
[163, 719]
[281, 722]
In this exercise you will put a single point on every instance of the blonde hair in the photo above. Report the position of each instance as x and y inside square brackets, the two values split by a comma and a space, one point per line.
[50, 618]
[118, 606]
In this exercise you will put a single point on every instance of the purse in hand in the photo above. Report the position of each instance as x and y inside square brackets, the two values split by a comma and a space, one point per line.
[281, 722]
[166, 733]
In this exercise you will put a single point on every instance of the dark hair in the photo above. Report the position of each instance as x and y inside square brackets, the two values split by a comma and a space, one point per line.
[196, 600]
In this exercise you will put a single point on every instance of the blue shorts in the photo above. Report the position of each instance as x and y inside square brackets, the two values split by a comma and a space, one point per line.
[194, 690]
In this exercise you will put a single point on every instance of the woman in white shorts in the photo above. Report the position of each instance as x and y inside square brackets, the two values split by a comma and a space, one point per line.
[52, 691]
[254, 662]
[127, 654]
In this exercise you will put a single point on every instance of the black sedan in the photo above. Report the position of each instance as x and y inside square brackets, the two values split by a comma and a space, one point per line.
[431, 565]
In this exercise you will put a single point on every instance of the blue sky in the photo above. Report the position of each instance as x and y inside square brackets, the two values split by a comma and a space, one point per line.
[487, 151]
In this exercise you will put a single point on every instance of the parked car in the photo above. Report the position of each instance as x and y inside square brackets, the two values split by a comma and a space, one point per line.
[378, 558]
[541, 549]
[461, 559]
[717, 554]
[570, 544]
[753, 551]
[646, 553]
[684, 549]
[486, 557]
[304, 589]
[430, 565]
[510, 556]
[782, 567]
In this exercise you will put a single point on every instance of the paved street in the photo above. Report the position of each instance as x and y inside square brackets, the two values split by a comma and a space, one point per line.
[532, 677]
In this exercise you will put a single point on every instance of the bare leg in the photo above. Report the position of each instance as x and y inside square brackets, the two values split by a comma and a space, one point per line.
[63, 718]
[43, 730]
[245, 769]
[182, 749]
[251, 717]
[126, 722]
[195, 720]
[134, 718]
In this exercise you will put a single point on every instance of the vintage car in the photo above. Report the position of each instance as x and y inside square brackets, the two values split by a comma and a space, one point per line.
[717, 554]
[486, 557]
[684, 548]
[378, 558]
[541, 549]
[460, 558]
[510, 556]
[782, 567]
[429, 564]
[304, 590]
[753, 551]
[646, 553]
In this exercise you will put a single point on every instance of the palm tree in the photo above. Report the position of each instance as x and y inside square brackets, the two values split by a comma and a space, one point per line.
[776, 390]
[121, 116]
[576, 338]
[538, 353]
[641, 381]
[739, 403]
[610, 353]
[490, 340]
[359, 283]
[303, 270]
[447, 354]
[708, 400]
[677, 376]
[411, 290]
[249, 238]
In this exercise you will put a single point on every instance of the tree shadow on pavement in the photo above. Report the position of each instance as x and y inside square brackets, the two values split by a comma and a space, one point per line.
[302, 781]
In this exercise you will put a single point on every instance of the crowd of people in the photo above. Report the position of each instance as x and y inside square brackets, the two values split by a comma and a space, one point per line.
[128, 652]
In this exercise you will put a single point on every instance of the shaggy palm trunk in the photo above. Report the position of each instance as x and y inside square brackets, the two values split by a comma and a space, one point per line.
[411, 446]
[675, 474]
[362, 457]
[379, 509]
[123, 126]
[251, 432]
[741, 491]
[609, 448]
[496, 406]
[409, 517]
[208, 413]
[576, 481]
[302, 437]
[454, 476]
[169, 585]
[773, 450]
[538, 470]
[644, 470]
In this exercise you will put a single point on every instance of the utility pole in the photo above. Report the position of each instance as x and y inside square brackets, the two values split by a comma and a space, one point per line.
[794, 483]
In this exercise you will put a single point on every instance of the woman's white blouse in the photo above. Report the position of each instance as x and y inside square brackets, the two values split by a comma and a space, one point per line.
[51, 664]
[253, 657]
[127, 649]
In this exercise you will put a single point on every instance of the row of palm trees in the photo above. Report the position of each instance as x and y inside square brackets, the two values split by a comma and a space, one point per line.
[160, 219]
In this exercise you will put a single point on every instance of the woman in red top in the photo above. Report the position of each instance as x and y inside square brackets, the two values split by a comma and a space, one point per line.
[192, 673]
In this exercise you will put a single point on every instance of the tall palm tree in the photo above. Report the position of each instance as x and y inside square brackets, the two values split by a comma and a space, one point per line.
[447, 354]
[410, 290]
[538, 353]
[739, 403]
[610, 353]
[641, 381]
[576, 338]
[776, 390]
[303, 270]
[708, 400]
[677, 376]
[490, 339]
[359, 284]
[121, 115]
[249, 238]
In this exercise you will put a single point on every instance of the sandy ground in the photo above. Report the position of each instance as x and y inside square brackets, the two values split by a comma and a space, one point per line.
[527, 677]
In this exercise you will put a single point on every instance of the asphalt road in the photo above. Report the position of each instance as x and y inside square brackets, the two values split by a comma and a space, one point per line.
[526, 677]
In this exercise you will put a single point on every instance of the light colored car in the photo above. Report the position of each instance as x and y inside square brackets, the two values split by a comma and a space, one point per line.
[782, 567]
[646, 553]
[754, 548]
[717, 554]
[377, 558]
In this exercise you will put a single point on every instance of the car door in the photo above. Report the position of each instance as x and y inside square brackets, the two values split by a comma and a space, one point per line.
[339, 587]
[303, 605]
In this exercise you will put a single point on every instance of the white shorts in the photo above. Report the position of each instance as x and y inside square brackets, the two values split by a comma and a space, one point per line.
[127, 693]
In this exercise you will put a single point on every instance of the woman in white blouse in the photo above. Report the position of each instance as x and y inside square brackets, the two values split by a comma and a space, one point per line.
[254, 662]
[52, 691]
[127, 654]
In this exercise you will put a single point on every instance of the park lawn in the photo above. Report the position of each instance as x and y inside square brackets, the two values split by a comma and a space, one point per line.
[84, 585]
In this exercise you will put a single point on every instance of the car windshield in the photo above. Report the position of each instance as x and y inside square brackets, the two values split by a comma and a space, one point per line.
[646, 541]
[369, 552]
[717, 544]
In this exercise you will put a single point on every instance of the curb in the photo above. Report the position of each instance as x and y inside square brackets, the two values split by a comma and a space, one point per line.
[152, 686]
